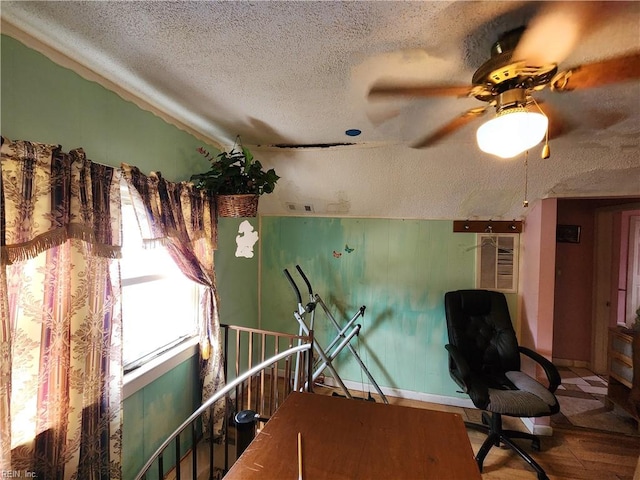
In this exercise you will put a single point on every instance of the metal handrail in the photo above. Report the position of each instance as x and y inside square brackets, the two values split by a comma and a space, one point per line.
[217, 396]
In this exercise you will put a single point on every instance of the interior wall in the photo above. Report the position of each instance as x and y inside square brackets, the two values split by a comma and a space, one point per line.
[152, 413]
[237, 276]
[538, 248]
[44, 102]
[538, 242]
[399, 269]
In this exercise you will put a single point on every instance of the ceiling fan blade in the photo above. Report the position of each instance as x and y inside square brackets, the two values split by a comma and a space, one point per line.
[613, 70]
[388, 89]
[378, 117]
[449, 128]
[553, 34]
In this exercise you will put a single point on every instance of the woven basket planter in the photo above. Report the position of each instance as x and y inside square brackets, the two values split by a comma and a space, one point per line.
[237, 205]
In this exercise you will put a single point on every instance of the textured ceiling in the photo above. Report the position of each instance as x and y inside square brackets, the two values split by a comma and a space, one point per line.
[298, 73]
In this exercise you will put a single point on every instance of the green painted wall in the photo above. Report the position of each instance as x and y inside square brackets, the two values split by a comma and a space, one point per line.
[237, 277]
[398, 269]
[154, 412]
[44, 102]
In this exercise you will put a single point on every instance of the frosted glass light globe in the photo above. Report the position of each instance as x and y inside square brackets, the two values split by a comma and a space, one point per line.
[512, 132]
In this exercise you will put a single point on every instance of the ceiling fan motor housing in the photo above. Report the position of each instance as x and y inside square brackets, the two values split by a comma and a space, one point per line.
[503, 73]
[514, 98]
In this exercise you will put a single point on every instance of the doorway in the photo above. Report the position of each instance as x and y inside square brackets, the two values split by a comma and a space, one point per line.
[616, 290]
[589, 297]
[589, 283]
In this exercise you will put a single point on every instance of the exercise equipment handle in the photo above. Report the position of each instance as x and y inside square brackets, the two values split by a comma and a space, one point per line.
[293, 285]
[306, 280]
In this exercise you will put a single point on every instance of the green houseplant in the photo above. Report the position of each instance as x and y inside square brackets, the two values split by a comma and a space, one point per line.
[237, 179]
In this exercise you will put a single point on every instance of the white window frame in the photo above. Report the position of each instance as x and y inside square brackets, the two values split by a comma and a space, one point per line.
[163, 359]
[158, 366]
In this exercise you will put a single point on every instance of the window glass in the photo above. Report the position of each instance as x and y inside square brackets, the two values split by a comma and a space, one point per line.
[160, 306]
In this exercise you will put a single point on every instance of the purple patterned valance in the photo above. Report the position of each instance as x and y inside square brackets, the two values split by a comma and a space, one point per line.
[172, 210]
[48, 197]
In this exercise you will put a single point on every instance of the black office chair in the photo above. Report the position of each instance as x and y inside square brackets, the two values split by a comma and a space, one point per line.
[484, 360]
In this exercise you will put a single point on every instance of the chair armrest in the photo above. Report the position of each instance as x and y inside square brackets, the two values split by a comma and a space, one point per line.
[462, 370]
[553, 376]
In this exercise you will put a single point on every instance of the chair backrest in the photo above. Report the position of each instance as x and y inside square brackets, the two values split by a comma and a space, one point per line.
[479, 325]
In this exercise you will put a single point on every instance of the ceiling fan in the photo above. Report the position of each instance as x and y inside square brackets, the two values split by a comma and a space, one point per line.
[523, 61]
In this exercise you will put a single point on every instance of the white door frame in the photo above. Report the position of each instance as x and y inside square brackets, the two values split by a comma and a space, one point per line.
[633, 271]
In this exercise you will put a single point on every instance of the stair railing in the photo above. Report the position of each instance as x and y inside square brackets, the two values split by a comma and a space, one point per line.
[262, 388]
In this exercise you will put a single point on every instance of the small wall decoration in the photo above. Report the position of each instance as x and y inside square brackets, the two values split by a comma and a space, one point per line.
[568, 233]
[245, 240]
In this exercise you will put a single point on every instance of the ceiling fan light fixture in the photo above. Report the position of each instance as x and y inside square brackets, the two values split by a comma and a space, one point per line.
[511, 132]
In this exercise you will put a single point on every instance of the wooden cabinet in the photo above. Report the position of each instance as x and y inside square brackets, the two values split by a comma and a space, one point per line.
[624, 370]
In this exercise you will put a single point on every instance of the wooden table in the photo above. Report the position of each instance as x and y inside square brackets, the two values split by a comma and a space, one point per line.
[356, 439]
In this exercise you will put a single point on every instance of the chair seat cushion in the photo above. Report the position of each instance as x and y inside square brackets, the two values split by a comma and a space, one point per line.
[531, 399]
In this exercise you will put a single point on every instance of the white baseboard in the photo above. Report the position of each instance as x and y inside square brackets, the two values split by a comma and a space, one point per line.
[561, 362]
[542, 430]
[407, 394]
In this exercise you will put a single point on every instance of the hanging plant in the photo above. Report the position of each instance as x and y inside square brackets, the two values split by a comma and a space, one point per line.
[235, 172]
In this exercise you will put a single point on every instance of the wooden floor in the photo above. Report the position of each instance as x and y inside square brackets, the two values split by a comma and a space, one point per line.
[570, 454]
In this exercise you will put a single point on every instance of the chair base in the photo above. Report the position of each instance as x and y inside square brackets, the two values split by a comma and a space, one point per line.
[492, 426]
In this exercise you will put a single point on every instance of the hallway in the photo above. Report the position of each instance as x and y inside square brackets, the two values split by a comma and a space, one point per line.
[581, 398]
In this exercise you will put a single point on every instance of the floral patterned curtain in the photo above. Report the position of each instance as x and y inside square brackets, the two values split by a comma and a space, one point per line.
[60, 314]
[183, 219]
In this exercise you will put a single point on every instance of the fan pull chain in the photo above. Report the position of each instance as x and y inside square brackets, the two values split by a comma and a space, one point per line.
[546, 152]
[525, 202]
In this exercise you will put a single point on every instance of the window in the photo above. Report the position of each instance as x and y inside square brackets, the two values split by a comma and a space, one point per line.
[497, 262]
[160, 306]
[633, 272]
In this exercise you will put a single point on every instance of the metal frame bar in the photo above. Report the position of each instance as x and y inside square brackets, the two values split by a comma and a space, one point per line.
[342, 339]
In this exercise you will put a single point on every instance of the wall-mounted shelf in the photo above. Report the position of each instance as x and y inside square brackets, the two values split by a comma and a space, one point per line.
[487, 226]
